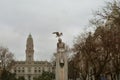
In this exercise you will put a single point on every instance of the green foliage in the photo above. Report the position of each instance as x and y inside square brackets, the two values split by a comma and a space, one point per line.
[6, 75]
[21, 78]
[46, 76]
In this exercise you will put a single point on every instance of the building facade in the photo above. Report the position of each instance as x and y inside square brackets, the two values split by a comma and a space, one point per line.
[30, 68]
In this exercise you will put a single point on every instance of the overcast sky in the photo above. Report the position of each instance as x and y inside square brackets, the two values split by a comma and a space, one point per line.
[18, 18]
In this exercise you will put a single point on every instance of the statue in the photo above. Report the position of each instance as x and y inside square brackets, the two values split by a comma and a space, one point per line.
[61, 59]
[61, 48]
[60, 44]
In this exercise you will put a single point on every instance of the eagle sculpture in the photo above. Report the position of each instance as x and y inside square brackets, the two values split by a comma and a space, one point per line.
[58, 34]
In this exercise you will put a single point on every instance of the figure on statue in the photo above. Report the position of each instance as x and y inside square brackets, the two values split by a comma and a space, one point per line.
[60, 44]
[61, 48]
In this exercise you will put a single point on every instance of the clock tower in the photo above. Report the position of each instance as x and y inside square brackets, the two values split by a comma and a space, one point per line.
[29, 49]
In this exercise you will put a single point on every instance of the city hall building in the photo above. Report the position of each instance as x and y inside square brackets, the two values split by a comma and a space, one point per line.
[30, 68]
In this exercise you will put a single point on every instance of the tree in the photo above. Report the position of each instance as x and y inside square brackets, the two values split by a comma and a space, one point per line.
[21, 78]
[80, 60]
[46, 76]
[112, 27]
[6, 75]
[6, 58]
[99, 52]
[72, 69]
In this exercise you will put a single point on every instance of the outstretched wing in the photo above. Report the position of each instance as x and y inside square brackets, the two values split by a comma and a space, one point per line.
[57, 34]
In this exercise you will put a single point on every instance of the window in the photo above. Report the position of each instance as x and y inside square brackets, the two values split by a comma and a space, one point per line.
[15, 71]
[29, 69]
[19, 71]
[23, 71]
[29, 77]
[18, 67]
[35, 71]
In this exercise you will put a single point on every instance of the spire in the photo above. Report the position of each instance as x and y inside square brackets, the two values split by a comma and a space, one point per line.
[30, 39]
[30, 36]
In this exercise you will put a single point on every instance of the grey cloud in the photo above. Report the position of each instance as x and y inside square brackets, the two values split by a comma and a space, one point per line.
[18, 18]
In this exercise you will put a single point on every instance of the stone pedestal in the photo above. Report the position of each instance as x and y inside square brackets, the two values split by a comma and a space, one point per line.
[61, 65]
